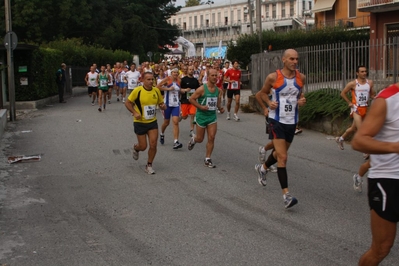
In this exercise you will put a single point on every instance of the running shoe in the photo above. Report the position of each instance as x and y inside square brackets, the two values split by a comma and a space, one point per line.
[228, 116]
[117, 99]
[104, 106]
[135, 154]
[92, 103]
[209, 163]
[177, 145]
[99, 109]
[262, 155]
[149, 170]
[261, 176]
[191, 143]
[236, 118]
[298, 131]
[340, 143]
[289, 200]
[191, 133]
[272, 169]
[357, 183]
[162, 139]
[123, 100]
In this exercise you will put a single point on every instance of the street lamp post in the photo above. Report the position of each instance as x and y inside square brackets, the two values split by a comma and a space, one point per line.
[210, 3]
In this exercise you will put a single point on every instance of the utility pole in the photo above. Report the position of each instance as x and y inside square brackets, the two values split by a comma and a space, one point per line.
[259, 23]
[9, 43]
[251, 24]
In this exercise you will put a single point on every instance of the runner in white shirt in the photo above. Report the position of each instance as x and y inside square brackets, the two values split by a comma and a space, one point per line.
[132, 77]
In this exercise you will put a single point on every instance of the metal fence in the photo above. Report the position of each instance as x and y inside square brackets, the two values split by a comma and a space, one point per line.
[332, 66]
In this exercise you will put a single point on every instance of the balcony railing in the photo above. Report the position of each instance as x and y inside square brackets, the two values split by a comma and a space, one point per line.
[363, 21]
[236, 23]
[374, 3]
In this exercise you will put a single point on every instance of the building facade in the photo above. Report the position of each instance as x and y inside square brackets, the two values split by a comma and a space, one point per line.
[341, 13]
[210, 23]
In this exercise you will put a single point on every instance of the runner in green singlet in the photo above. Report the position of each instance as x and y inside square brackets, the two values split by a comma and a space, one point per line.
[102, 80]
[207, 100]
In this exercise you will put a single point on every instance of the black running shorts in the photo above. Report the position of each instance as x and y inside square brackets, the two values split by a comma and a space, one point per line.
[143, 128]
[383, 194]
[230, 93]
[281, 131]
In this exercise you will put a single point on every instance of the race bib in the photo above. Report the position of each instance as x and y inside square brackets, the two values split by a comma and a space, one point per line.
[191, 92]
[362, 99]
[234, 85]
[287, 107]
[149, 112]
[103, 83]
[211, 102]
[173, 98]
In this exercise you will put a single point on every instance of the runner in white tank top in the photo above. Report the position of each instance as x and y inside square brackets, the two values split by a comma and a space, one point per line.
[379, 136]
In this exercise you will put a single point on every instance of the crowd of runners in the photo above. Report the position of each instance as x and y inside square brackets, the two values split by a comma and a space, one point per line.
[197, 89]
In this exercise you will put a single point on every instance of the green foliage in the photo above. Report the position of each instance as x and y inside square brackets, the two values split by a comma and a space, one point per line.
[76, 53]
[42, 63]
[134, 26]
[248, 44]
[192, 3]
[323, 103]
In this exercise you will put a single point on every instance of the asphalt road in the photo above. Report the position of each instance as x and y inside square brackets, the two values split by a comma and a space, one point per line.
[88, 203]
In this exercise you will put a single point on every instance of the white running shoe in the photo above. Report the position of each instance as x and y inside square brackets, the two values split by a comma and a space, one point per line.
[298, 131]
[261, 176]
[149, 169]
[289, 200]
[135, 154]
[272, 169]
[357, 183]
[236, 118]
[262, 155]
[340, 143]
[228, 116]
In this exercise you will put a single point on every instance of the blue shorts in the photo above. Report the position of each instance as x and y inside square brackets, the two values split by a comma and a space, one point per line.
[281, 131]
[122, 85]
[117, 83]
[171, 111]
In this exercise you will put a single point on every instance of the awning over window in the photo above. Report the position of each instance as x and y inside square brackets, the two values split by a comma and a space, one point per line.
[323, 5]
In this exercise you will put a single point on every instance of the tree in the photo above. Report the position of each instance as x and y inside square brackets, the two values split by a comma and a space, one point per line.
[192, 3]
[131, 25]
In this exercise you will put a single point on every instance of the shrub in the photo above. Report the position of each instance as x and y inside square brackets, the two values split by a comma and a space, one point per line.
[323, 103]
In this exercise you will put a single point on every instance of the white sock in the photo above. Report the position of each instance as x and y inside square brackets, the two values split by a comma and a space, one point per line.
[284, 196]
[262, 168]
[176, 140]
[161, 134]
[263, 150]
[206, 159]
[341, 138]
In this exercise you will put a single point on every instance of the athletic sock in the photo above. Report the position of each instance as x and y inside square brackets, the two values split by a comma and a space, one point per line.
[176, 140]
[341, 138]
[270, 160]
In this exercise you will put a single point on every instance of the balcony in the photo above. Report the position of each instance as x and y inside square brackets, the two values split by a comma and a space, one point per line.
[358, 22]
[376, 6]
[208, 26]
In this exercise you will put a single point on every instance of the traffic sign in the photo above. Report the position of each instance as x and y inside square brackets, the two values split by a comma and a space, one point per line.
[14, 40]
